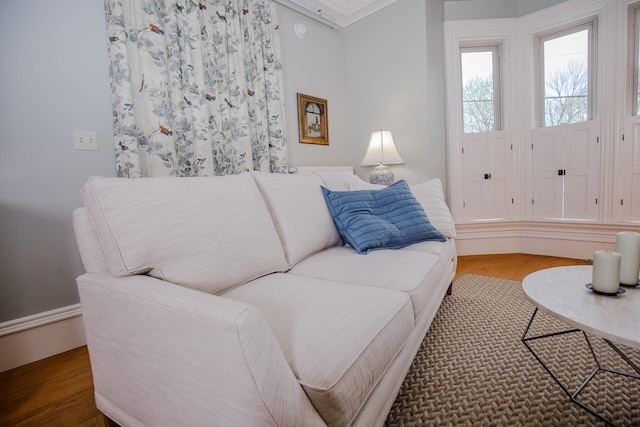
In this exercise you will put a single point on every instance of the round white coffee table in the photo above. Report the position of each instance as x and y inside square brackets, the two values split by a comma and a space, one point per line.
[561, 292]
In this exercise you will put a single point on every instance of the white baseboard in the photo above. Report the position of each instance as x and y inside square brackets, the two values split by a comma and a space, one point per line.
[577, 240]
[39, 336]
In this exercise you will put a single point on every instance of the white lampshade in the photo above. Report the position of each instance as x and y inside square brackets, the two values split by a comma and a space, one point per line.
[381, 150]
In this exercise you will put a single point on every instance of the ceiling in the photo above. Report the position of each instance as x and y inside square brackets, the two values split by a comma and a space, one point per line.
[342, 12]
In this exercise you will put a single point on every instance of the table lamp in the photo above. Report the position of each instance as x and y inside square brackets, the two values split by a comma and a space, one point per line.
[381, 152]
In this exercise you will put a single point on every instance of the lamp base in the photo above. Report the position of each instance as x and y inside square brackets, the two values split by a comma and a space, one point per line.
[381, 175]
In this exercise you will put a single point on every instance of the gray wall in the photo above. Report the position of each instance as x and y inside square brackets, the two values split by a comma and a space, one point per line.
[387, 87]
[383, 71]
[53, 64]
[436, 104]
[314, 65]
[490, 9]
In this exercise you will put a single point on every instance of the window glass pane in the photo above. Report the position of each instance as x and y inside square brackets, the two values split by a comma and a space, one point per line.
[478, 91]
[566, 91]
[637, 62]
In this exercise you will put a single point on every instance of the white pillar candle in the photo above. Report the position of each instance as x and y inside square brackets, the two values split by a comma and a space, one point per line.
[628, 246]
[606, 271]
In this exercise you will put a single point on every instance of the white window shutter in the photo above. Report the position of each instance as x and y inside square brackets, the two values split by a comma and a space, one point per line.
[547, 184]
[631, 170]
[582, 163]
[488, 180]
[501, 168]
[475, 163]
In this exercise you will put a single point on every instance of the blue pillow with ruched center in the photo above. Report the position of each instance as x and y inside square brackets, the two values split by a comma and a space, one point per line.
[390, 218]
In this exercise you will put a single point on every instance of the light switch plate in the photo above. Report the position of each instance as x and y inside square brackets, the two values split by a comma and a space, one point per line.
[85, 139]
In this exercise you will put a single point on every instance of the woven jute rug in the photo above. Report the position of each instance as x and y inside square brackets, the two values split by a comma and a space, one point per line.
[473, 370]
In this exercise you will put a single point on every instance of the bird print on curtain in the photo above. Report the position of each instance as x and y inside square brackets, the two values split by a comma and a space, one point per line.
[196, 87]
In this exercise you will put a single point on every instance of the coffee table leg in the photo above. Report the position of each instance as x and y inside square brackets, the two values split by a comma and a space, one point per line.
[626, 359]
[525, 340]
[574, 396]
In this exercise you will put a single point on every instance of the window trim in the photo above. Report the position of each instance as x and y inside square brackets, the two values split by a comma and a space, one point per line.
[590, 24]
[633, 49]
[496, 49]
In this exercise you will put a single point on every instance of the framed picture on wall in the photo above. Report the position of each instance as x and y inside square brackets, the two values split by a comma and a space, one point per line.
[312, 120]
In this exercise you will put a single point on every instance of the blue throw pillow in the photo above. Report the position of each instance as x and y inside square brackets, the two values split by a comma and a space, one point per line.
[390, 218]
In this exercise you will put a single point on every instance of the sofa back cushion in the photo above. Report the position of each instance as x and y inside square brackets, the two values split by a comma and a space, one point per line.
[347, 183]
[299, 212]
[208, 234]
[89, 247]
[430, 195]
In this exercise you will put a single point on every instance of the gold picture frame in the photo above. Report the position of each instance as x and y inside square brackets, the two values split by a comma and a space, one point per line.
[312, 120]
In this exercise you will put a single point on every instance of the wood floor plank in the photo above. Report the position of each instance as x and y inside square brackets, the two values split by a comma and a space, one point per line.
[510, 266]
[66, 401]
[60, 388]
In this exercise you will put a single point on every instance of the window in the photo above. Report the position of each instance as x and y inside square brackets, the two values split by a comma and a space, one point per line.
[481, 88]
[565, 151]
[566, 75]
[634, 52]
[630, 147]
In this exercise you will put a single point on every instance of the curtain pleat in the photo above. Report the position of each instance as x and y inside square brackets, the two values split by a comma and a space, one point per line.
[196, 87]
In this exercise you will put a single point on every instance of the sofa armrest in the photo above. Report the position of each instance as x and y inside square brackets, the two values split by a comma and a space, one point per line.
[164, 355]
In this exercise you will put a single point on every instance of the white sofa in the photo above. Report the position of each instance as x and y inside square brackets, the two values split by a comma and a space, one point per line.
[232, 301]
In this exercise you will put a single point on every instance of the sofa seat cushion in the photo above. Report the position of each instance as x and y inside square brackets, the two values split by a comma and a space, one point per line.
[207, 234]
[299, 212]
[338, 338]
[411, 272]
[445, 251]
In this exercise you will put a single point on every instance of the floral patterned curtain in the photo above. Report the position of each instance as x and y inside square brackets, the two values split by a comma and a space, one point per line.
[196, 87]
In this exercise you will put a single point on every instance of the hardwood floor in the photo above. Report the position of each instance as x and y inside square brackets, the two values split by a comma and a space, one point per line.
[510, 266]
[58, 391]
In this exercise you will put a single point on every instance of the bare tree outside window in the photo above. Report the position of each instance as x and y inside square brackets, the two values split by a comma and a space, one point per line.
[633, 57]
[480, 88]
[566, 98]
[636, 56]
[478, 106]
[566, 95]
